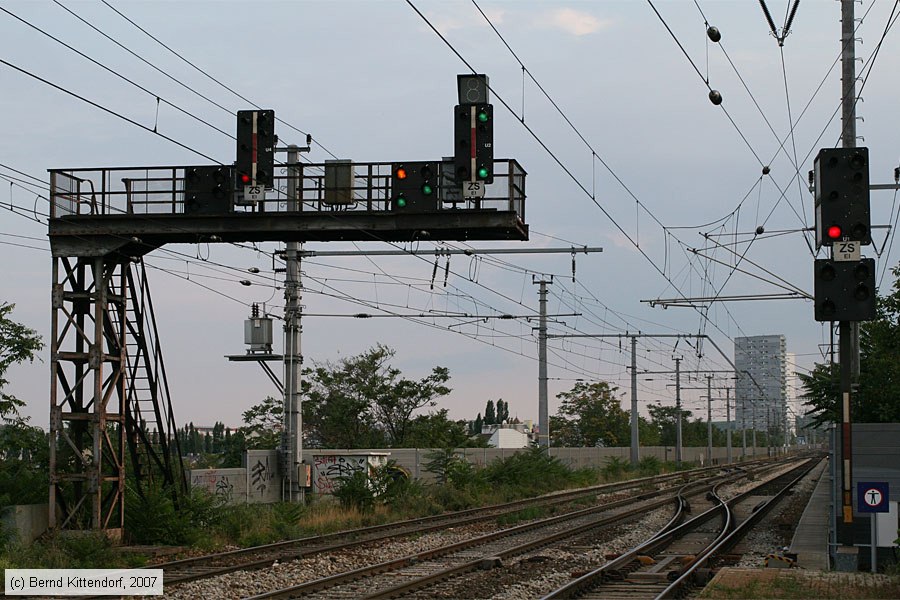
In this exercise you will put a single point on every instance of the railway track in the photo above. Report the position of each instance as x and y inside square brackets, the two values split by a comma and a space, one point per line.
[212, 565]
[682, 557]
[415, 575]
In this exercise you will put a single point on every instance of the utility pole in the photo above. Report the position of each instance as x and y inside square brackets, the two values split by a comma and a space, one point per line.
[292, 445]
[543, 411]
[755, 417]
[678, 411]
[728, 421]
[848, 332]
[635, 455]
[709, 418]
[743, 428]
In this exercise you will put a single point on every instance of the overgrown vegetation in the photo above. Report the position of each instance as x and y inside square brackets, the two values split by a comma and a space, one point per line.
[385, 494]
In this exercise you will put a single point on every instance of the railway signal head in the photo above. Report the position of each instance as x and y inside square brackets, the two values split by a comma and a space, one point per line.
[256, 141]
[844, 290]
[473, 143]
[841, 177]
[414, 186]
[207, 190]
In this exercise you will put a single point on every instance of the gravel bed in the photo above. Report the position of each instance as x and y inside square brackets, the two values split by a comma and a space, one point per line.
[775, 532]
[534, 574]
[528, 576]
[241, 584]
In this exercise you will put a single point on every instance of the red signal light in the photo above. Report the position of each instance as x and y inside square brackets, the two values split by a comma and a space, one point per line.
[834, 232]
[401, 173]
[245, 178]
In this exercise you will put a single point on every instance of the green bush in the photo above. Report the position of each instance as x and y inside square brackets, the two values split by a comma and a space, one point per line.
[649, 466]
[69, 550]
[454, 498]
[356, 492]
[153, 518]
[438, 462]
[535, 472]
[615, 468]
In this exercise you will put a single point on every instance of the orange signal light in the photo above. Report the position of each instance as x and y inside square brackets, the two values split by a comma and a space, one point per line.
[401, 173]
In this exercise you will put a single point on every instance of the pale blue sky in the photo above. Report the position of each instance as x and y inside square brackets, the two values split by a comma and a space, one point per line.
[372, 82]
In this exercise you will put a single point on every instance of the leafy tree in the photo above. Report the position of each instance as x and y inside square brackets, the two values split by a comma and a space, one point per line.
[877, 399]
[664, 419]
[263, 424]
[477, 425]
[435, 430]
[648, 434]
[564, 432]
[364, 402]
[502, 411]
[233, 450]
[17, 344]
[24, 449]
[490, 413]
[590, 415]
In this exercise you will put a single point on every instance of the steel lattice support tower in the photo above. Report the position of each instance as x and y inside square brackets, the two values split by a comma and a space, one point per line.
[87, 385]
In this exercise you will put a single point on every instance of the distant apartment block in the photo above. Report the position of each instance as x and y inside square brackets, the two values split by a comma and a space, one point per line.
[764, 357]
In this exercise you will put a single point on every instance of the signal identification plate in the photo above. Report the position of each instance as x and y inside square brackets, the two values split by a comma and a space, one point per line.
[846, 251]
[473, 189]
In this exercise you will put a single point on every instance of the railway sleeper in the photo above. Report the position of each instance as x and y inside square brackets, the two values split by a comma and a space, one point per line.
[652, 576]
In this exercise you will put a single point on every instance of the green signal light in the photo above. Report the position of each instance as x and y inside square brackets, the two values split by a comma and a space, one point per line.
[427, 189]
[483, 173]
[483, 116]
[401, 201]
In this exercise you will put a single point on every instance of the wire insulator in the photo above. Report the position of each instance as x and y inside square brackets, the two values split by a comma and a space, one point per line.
[790, 19]
[765, 8]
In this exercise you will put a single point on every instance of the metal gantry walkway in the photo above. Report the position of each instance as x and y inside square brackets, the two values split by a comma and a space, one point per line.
[108, 390]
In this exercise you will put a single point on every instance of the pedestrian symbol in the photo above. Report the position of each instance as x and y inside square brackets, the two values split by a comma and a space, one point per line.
[872, 496]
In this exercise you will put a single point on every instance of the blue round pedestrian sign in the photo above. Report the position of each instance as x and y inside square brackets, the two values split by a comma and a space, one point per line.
[872, 496]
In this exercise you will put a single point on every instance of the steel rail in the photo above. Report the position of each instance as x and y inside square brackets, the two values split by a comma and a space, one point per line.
[690, 575]
[615, 570]
[469, 565]
[202, 567]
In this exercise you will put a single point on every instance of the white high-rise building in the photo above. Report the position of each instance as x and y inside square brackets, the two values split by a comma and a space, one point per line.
[794, 403]
[761, 408]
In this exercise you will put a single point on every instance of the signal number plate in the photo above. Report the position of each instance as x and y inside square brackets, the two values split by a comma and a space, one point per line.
[846, 251]
[473, 189]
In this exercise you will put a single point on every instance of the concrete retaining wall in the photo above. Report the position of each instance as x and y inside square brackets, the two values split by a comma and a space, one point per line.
[30, 521]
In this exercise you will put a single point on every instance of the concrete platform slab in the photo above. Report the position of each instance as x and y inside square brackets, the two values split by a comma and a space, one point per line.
[810, 541]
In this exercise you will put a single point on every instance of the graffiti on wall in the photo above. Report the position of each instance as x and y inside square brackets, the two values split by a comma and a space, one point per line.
[330, 469]
[218, 484]
[261, 475]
